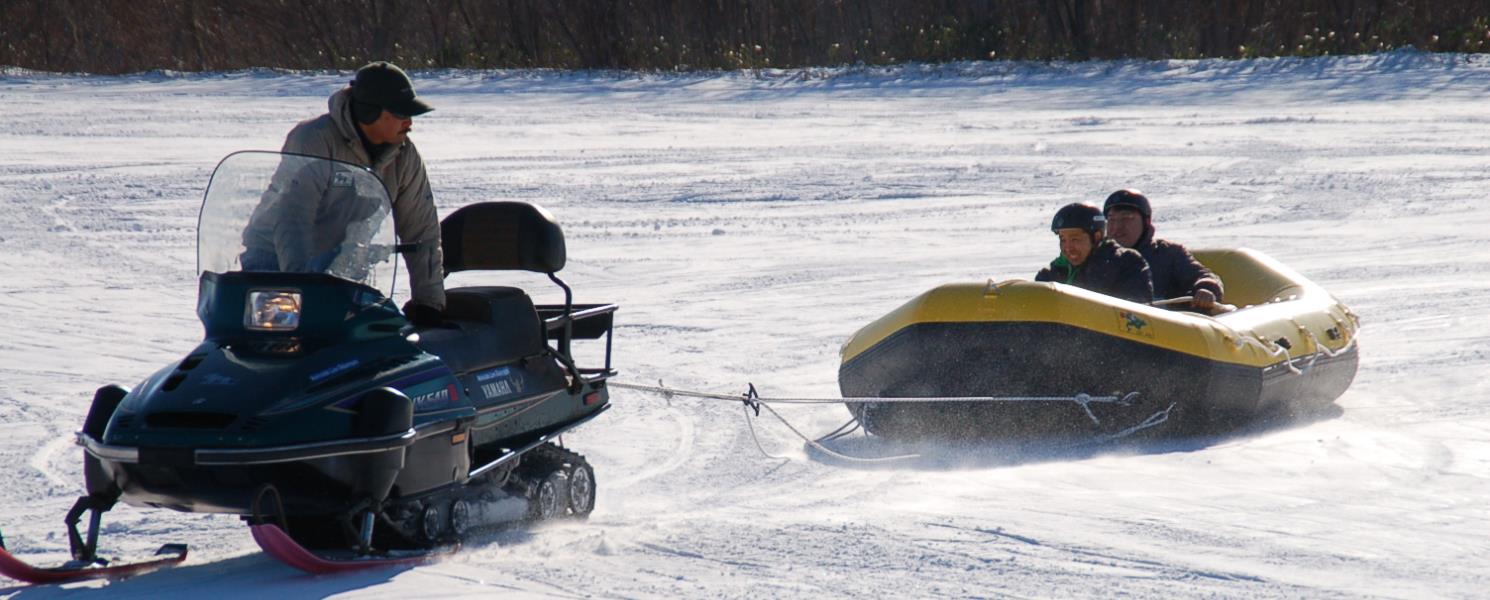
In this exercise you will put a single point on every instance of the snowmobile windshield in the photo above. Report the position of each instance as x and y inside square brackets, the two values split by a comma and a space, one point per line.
[273, 212]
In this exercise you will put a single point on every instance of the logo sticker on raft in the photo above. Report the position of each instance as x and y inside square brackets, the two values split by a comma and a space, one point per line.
[1134, 324]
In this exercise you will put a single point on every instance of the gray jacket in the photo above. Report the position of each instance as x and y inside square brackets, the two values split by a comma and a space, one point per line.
[334, 135]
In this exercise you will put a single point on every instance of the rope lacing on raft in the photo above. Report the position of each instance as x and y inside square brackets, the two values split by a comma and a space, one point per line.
[752, 401]
[1274, 349]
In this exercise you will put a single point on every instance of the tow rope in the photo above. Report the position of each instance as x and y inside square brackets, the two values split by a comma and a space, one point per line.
[752, 402]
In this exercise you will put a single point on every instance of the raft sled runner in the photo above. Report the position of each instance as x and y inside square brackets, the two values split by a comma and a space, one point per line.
[346, 436]
[1290, 348]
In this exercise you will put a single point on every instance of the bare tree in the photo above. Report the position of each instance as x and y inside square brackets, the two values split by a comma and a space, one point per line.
[102, 36]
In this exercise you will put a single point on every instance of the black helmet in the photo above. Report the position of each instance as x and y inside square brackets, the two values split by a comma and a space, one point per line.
[1079, 215]
[1129, 198]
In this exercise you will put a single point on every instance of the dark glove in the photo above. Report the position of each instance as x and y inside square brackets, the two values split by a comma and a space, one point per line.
[423, 315]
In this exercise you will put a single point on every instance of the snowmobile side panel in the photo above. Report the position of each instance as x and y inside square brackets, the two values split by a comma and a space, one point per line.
[507, 455]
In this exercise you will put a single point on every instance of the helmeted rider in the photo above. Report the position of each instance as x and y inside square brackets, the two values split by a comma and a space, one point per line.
[1091, 262]
[367, 123]
[1176, 273]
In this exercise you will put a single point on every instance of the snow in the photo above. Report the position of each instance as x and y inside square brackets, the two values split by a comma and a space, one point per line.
[747, 223]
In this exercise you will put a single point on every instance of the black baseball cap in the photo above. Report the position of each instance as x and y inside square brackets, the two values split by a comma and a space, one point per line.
[386, 86]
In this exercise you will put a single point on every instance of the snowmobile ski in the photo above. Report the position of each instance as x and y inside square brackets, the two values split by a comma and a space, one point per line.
[15, 568]
[282, 547]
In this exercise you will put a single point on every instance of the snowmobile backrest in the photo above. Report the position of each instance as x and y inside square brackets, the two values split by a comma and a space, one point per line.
[502, 236]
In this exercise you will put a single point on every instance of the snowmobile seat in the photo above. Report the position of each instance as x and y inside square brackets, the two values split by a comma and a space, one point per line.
[485, 326]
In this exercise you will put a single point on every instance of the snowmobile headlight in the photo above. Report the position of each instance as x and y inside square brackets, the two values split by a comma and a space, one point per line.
[272, 310]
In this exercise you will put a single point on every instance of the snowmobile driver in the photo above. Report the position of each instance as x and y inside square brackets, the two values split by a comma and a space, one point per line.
[368, 124]
[1090, 262]
[1176, 273]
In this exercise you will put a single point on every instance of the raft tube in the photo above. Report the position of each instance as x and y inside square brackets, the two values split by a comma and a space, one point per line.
[1288, 349]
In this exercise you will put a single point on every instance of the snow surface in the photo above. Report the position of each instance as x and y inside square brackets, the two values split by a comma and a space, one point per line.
[747, 223]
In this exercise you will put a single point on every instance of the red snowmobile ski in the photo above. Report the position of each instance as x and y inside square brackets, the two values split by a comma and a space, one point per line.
[279, 545]
[77, 570]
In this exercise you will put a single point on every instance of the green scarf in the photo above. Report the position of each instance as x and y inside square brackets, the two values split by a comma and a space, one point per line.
[1060, 261]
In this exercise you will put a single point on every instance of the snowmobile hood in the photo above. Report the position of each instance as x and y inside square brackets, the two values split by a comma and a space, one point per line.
[219, 397]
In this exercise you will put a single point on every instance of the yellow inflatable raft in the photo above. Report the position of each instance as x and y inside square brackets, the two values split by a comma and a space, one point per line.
[1288, 347]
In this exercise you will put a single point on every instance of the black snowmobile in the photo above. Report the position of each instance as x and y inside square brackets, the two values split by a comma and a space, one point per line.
[343, 434]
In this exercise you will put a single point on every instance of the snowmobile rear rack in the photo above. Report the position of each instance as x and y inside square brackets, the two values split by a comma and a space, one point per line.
[566, 323]
[590, 320]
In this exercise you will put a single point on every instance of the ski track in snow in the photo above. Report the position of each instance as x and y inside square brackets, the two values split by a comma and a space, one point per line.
[747, 224]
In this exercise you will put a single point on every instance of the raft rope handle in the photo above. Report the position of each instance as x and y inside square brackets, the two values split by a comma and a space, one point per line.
[1313, 356]
[1269, 347]
[1173, 301]
[1325, 350]
[1276, 350]
[752, 401]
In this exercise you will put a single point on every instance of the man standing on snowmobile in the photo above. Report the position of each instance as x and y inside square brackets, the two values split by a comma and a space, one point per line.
[367, 124]
[1088, 261]
[1175, 271]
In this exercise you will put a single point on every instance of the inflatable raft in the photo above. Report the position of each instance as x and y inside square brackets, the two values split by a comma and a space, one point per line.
[1049, 351]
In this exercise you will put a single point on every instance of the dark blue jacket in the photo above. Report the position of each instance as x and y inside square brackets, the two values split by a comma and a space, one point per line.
[1111, 269]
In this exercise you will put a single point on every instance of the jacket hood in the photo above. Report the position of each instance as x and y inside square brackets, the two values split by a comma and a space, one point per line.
[339, 107]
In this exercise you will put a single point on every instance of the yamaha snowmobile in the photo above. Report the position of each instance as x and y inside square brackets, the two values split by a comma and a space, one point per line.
[344, 435]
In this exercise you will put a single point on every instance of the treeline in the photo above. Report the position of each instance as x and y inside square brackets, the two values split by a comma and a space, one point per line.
[108, 36]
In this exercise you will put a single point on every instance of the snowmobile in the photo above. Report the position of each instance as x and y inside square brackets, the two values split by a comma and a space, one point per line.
[345, 436]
